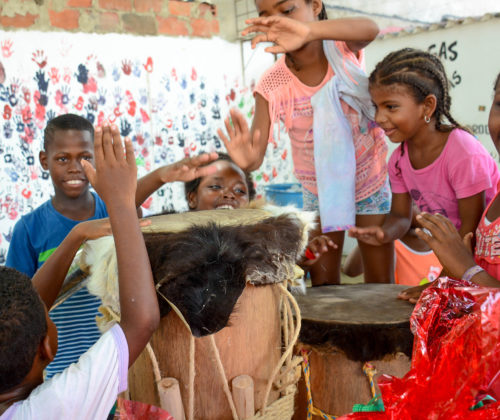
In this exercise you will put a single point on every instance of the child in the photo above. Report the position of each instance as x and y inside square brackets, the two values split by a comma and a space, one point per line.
[28, 340]
[68, 140]
[441, 167]
[350, 176]
[211, 181]
[483, 266]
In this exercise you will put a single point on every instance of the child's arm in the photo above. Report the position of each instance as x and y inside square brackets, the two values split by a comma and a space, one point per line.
[184, 170]
[115, 180]
[246, 147]
[289, 34]
[49, 278]
[470, 210]
[396, 223]
[451, 249]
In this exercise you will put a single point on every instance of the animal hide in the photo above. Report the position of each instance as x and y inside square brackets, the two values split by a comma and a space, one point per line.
[203, 269]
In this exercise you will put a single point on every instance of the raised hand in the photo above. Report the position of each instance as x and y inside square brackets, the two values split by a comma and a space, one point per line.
[372, 235]
[286, 34]
[115, 175]
[240, 145]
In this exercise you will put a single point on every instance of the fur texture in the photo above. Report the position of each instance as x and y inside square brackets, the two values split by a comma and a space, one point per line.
[204, 269]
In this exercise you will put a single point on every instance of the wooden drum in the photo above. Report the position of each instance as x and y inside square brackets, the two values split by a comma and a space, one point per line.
[223, 273]
[342, 328]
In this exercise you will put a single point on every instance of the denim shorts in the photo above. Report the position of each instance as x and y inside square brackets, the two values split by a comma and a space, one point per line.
[378, 203]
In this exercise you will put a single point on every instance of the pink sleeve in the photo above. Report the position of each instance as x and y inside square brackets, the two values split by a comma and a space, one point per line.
[358, 60]
[395, 177]
[470, 175]
[469, 165]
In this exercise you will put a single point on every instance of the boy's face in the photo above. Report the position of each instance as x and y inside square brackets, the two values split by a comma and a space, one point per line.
[63, 161]
[494, 119]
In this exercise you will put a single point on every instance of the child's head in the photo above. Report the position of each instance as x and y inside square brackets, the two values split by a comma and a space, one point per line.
[229, 187]
[303, 10]
[24, 328]
[422, 76]
[494, 117]
[68, 139]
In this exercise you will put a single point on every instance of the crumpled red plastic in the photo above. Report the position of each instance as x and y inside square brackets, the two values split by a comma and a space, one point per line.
[135, 410]
[456, 357]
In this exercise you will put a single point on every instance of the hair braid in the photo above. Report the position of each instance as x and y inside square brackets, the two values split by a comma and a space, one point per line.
[424, 74]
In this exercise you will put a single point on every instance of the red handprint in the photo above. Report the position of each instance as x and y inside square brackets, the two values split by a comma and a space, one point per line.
[127, 67]
[7, 50]
[149, 65]
[39, 58]
[54, 75]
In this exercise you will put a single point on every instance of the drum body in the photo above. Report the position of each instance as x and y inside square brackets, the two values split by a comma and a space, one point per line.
[250, 345]
[342, 328]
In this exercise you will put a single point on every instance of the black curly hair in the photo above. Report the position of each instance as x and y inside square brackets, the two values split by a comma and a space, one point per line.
[22, 326]
[66, 122]
[192, 186]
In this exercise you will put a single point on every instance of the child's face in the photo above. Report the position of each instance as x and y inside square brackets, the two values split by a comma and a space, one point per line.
[494, 119]
[397, 111]
[293, 9]
[63, 161]
[226, 188]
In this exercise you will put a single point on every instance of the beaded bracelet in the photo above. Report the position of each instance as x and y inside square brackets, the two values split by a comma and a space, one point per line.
[471, 272]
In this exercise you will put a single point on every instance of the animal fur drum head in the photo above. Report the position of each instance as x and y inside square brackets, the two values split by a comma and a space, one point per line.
[201, 261]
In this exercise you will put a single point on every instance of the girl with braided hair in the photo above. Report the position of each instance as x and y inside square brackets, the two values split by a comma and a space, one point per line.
[318, 90]
[438, 164]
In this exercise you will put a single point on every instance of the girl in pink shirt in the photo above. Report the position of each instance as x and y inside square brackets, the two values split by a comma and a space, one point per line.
[298, 29]
[438, 165]
[483, 266]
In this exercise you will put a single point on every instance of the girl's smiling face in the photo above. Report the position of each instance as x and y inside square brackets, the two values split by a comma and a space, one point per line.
[397, 111]
[225, 189]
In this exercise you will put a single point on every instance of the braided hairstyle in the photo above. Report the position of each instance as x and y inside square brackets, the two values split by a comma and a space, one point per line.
[423, 74]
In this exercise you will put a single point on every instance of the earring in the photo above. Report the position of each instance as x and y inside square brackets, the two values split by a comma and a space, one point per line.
[427, 119]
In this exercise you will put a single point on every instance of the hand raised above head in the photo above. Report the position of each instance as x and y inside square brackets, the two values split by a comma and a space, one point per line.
[115, 175]
[286, 34]
[190, 168]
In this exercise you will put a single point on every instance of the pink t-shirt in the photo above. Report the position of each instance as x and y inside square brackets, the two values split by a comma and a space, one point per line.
[290, 101]
[487, 252]
[464, 168]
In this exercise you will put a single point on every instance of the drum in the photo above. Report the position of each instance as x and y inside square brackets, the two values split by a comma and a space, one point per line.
[224, 274]
[343, 327]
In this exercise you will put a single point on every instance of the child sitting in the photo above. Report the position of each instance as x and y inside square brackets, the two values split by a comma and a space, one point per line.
[88, 389]
[483, 265]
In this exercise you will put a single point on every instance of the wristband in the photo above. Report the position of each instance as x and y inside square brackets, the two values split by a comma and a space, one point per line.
[471, 272]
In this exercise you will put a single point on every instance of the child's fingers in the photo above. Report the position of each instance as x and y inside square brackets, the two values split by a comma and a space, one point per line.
[428, 222]
[239, 122]
[258, 39]
[444, 223]
[428, 239]
[117, 143]
[229, 128]
[275, 49]
[98, 152]
[144, 222]
[223, 137]
[90, 172]
[107, 142]
[129, 150]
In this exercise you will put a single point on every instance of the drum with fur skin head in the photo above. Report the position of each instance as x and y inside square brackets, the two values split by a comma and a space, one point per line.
[223, 273]
[342, 328]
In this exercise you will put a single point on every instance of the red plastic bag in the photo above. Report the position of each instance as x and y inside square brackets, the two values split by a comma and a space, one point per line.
[456, 357]
[135, 410]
